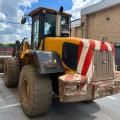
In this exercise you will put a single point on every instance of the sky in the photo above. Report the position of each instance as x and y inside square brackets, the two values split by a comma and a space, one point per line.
[13, 10]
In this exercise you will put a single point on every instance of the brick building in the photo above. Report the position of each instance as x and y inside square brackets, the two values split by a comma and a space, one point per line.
[76, 30]
[100, 20]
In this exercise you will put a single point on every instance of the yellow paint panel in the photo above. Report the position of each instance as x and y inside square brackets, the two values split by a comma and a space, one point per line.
[56, 43]
[23, 54]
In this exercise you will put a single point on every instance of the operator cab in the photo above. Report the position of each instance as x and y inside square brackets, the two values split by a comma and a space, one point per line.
[48, 23]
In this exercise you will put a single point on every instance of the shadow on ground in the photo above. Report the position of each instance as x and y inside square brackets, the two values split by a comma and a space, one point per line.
[70, 111]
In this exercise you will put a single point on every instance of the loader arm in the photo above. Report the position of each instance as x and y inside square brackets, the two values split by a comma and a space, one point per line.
[46, 62]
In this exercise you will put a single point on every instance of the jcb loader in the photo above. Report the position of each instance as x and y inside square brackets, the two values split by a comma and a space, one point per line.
[75, 69]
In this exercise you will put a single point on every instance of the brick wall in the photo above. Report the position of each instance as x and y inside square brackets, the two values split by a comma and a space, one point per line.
[105, 23]
[76, 32]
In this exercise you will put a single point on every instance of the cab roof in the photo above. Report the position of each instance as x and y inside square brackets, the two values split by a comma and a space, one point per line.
[47, 10]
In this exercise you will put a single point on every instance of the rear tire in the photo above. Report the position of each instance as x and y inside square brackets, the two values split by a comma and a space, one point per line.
[35, 91]
[11, 72]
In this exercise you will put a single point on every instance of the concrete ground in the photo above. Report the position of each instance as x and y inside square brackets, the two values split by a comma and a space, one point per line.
[102, 109]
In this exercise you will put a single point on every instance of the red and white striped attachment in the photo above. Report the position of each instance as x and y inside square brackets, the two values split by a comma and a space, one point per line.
[85, 55]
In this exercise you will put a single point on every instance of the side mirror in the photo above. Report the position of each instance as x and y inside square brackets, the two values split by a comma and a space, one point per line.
[23, 20]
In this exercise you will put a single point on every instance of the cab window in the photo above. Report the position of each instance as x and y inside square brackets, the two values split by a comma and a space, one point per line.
[36, 32]
[50, 25]
[64, 23]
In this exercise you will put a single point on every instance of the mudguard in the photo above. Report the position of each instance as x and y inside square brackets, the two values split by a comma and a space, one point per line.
[47, 62]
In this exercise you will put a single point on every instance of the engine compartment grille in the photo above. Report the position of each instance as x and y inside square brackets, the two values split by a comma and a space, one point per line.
[103, 65]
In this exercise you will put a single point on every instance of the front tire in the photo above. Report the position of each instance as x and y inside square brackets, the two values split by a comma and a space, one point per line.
[35, 91]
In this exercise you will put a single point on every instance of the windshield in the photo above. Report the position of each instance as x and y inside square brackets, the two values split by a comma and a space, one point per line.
[50, 23]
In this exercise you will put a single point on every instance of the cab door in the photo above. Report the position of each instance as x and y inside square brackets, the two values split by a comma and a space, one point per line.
[35, 32]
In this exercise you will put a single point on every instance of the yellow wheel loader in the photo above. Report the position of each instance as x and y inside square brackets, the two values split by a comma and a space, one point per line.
[75, 69]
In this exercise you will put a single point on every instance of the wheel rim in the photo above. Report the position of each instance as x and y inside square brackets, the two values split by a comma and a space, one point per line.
[25, 91]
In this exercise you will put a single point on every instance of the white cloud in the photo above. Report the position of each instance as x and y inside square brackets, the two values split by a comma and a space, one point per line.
[3, 26]
[2, 16]
[78, 5]
[26, 3]
[10, 11]
[9, 38]
[20, 13]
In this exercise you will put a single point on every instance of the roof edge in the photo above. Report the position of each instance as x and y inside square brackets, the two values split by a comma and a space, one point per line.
[47, 10]
[103, 4]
